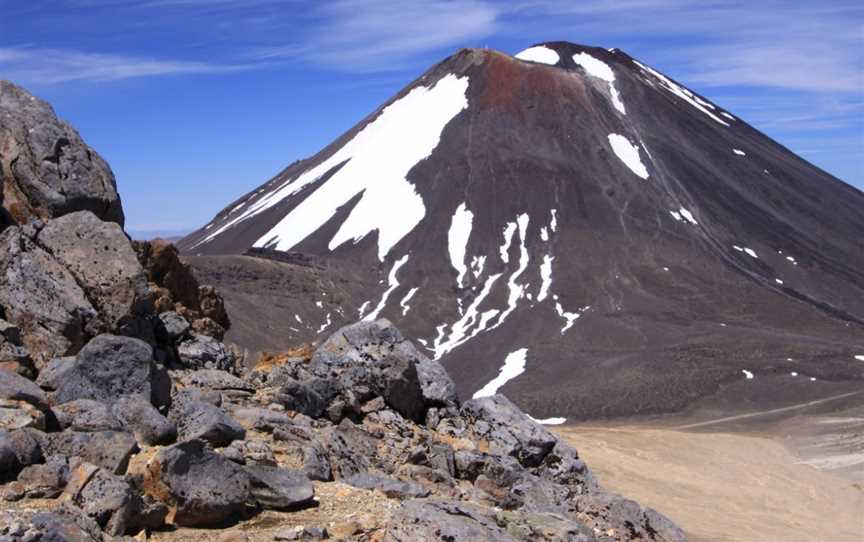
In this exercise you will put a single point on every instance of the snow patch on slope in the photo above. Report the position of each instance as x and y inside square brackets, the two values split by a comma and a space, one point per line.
[459, 330]
[457, 238]
[683, 93]
[393, 283]
[546, 277]
[597, 68]
[549, 421]
[514, 365]
[375, 164]
[509, 230]
[569, 317]
[628, 153]
[517, 290]
[404, 303]
[541, 54]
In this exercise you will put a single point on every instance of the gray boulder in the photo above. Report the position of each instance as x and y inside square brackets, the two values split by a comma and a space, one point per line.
[22, 403]
[110, 450]
[105, 497]
[101, 258]
[42, 298]
[111, 366]
[215, 379]
[18, 449]
[604, 510]
[203, 488]
[204, 421]
[508, 430]
[81, 413]
[48, 168]
[54, 372]
[444, 520]
[203, 352]
[145, 422]
[391, 487]
[14, 387]
[280, 489]
[44, 481]
[173, 327]
[391, 366]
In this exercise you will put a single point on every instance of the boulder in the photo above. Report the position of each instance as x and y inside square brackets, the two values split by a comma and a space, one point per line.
[303, 449]
[280, 489]
[13, 356]
[64, 522]
[215, 379]
[45, 481]
[375, 354]
[22, 403]
[203, 352]
[92, 416]
[48, 170]
[18, 449]
[14, 387]
[105, 497]
[111, 366]
[101, 258]
[204, 421]
[42, 298]
[54, 372]
[110, 450]
[173, 327]
[444, 520]
[202, 488]
[250, 452]
[145, 422]
[18, 414]
[302, 397]
[392, 488]
[609, 511]
[508, 430]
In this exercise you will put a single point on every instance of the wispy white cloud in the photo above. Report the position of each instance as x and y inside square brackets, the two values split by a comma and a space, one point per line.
[386, 35]
[51, 66]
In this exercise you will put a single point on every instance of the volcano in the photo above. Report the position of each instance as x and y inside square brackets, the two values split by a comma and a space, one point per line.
[571, 228]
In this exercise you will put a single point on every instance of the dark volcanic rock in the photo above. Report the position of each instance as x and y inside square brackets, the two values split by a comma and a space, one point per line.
[280, 489]
[110, 367]
[395, 489]
[17, 388]
[376, 351]
[100, 257]
[508, 430]
[200, 420]
[105, 497]
[110, 450]
[203, 352]
[145, 422]
[42, 297]
[47, 169]
[203, 488]
[45, 481]
[443, 520]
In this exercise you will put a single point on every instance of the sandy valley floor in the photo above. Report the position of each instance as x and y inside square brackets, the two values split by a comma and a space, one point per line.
[724, 485]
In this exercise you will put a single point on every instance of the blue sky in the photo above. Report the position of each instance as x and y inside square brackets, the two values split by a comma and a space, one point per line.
[194, 102]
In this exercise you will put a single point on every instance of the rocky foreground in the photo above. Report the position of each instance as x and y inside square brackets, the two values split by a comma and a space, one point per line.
[122, 412]
[125, 446]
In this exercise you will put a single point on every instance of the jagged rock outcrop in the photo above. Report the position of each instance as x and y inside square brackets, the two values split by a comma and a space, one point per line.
[46, 169]
[269, 439]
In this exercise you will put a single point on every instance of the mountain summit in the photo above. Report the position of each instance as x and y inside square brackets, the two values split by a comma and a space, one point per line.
[576, 230]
